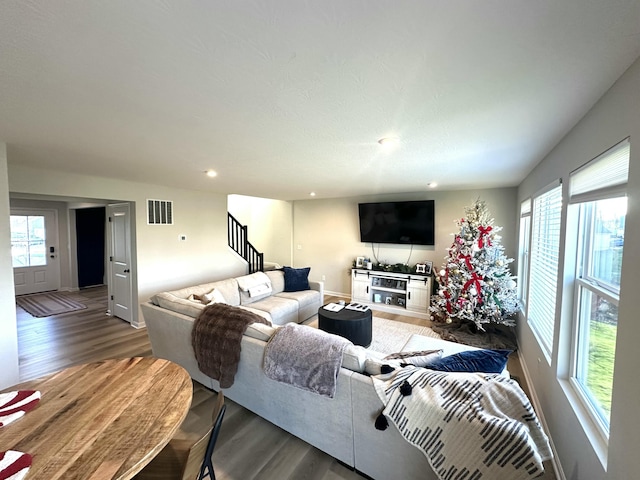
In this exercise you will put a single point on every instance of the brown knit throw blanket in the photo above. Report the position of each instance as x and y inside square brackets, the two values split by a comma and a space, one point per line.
[216, 337]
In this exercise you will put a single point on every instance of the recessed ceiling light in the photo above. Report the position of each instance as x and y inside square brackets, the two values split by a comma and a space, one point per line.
[432, 184]
[312, 194]
[211, 173]
[389, 141]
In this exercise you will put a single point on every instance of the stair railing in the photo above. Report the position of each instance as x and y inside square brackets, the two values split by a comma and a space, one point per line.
[238, 241]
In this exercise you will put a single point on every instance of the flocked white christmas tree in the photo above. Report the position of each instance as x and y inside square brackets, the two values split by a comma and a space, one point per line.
[475, 282]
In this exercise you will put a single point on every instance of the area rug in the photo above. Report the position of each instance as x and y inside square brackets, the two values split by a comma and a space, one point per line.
[389, 336]
[48, 304]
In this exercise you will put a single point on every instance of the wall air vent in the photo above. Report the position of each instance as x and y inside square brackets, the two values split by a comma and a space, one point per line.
[159, 212]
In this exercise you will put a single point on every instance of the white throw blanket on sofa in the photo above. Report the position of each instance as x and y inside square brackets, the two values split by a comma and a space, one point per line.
[305, 357]
[476, 424]
[257, 283]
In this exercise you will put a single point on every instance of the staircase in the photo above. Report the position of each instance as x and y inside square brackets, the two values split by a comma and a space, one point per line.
[237, 234]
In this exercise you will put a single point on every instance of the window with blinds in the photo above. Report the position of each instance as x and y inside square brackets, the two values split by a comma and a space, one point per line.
[597, 199]
[543, 268]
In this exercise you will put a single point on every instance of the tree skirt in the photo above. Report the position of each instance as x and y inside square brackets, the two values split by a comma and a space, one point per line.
[47, 304]
[495, 337]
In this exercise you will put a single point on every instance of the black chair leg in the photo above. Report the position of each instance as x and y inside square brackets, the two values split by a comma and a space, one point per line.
[207, 470]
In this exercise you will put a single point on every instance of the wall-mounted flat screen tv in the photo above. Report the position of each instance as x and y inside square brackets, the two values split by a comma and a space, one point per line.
[409, 222]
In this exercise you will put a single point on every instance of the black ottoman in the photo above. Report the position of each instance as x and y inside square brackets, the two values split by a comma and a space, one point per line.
[353, 325]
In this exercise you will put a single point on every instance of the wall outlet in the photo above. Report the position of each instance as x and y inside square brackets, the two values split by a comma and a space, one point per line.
[299, 247]
[324, 277]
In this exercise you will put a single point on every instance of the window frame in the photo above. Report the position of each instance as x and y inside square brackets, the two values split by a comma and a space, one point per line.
[524, 252]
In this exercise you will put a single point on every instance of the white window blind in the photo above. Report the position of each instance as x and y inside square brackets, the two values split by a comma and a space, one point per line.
[605, 172]
[525, 208]
[543, 276]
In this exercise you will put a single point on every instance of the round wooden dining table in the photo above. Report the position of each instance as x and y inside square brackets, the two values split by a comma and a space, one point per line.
[103, 420]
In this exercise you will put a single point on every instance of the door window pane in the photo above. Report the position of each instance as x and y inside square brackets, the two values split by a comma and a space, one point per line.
[28, 237]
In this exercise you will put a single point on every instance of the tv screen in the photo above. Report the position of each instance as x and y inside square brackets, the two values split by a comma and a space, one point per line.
[410, 222]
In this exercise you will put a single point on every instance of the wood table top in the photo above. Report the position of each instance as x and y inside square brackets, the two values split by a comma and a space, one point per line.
[103, 420]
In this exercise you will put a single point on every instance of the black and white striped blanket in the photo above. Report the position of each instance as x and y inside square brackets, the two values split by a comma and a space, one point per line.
[469, 425]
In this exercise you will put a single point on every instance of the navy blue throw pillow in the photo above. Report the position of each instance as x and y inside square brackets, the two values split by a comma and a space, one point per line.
[296, 279]
[486, 361]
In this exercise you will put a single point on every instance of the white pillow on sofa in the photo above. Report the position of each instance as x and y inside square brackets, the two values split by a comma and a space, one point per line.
[214, 296]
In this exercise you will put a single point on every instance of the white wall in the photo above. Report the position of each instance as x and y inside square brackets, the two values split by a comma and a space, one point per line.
[163, 262]
[327, 237]
[615, 117]
[269, 225]
[9, 338]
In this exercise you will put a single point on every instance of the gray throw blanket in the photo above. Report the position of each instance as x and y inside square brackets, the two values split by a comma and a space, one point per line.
[216, 337]
[468, 425]
[305, 357]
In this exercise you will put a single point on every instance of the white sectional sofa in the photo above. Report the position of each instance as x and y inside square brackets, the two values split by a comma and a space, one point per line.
[342, 426]
[276, 305]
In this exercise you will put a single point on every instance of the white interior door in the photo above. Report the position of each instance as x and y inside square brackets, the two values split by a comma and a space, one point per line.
[120, 291]
[34, 250]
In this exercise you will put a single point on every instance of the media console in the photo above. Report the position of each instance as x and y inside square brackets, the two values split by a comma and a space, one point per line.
[403, 293]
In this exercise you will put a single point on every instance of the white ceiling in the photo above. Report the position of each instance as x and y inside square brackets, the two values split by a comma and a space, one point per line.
[283, 98]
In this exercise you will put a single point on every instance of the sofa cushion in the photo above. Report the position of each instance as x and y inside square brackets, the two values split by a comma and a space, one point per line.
[260, 331]
[282, 310]
[296, 279]
[304, 297]
[228, 288]
[179, 305]
[354, 357]
[277, 281]
[262, 313]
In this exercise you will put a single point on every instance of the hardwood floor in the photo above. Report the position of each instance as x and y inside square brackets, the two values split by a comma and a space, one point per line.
[49, 344]
[248, 448]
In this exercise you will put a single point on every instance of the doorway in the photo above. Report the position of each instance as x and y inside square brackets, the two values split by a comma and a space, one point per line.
[90, 250]
[34, 250]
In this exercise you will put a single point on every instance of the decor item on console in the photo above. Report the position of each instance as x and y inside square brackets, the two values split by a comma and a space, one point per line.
[392, 267]
[476, 287]
[424, 267]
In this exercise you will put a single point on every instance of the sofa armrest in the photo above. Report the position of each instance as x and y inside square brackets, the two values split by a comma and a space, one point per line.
[319, 286]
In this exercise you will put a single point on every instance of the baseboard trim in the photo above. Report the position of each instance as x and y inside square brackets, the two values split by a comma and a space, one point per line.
[555, 461]
[337, 294]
